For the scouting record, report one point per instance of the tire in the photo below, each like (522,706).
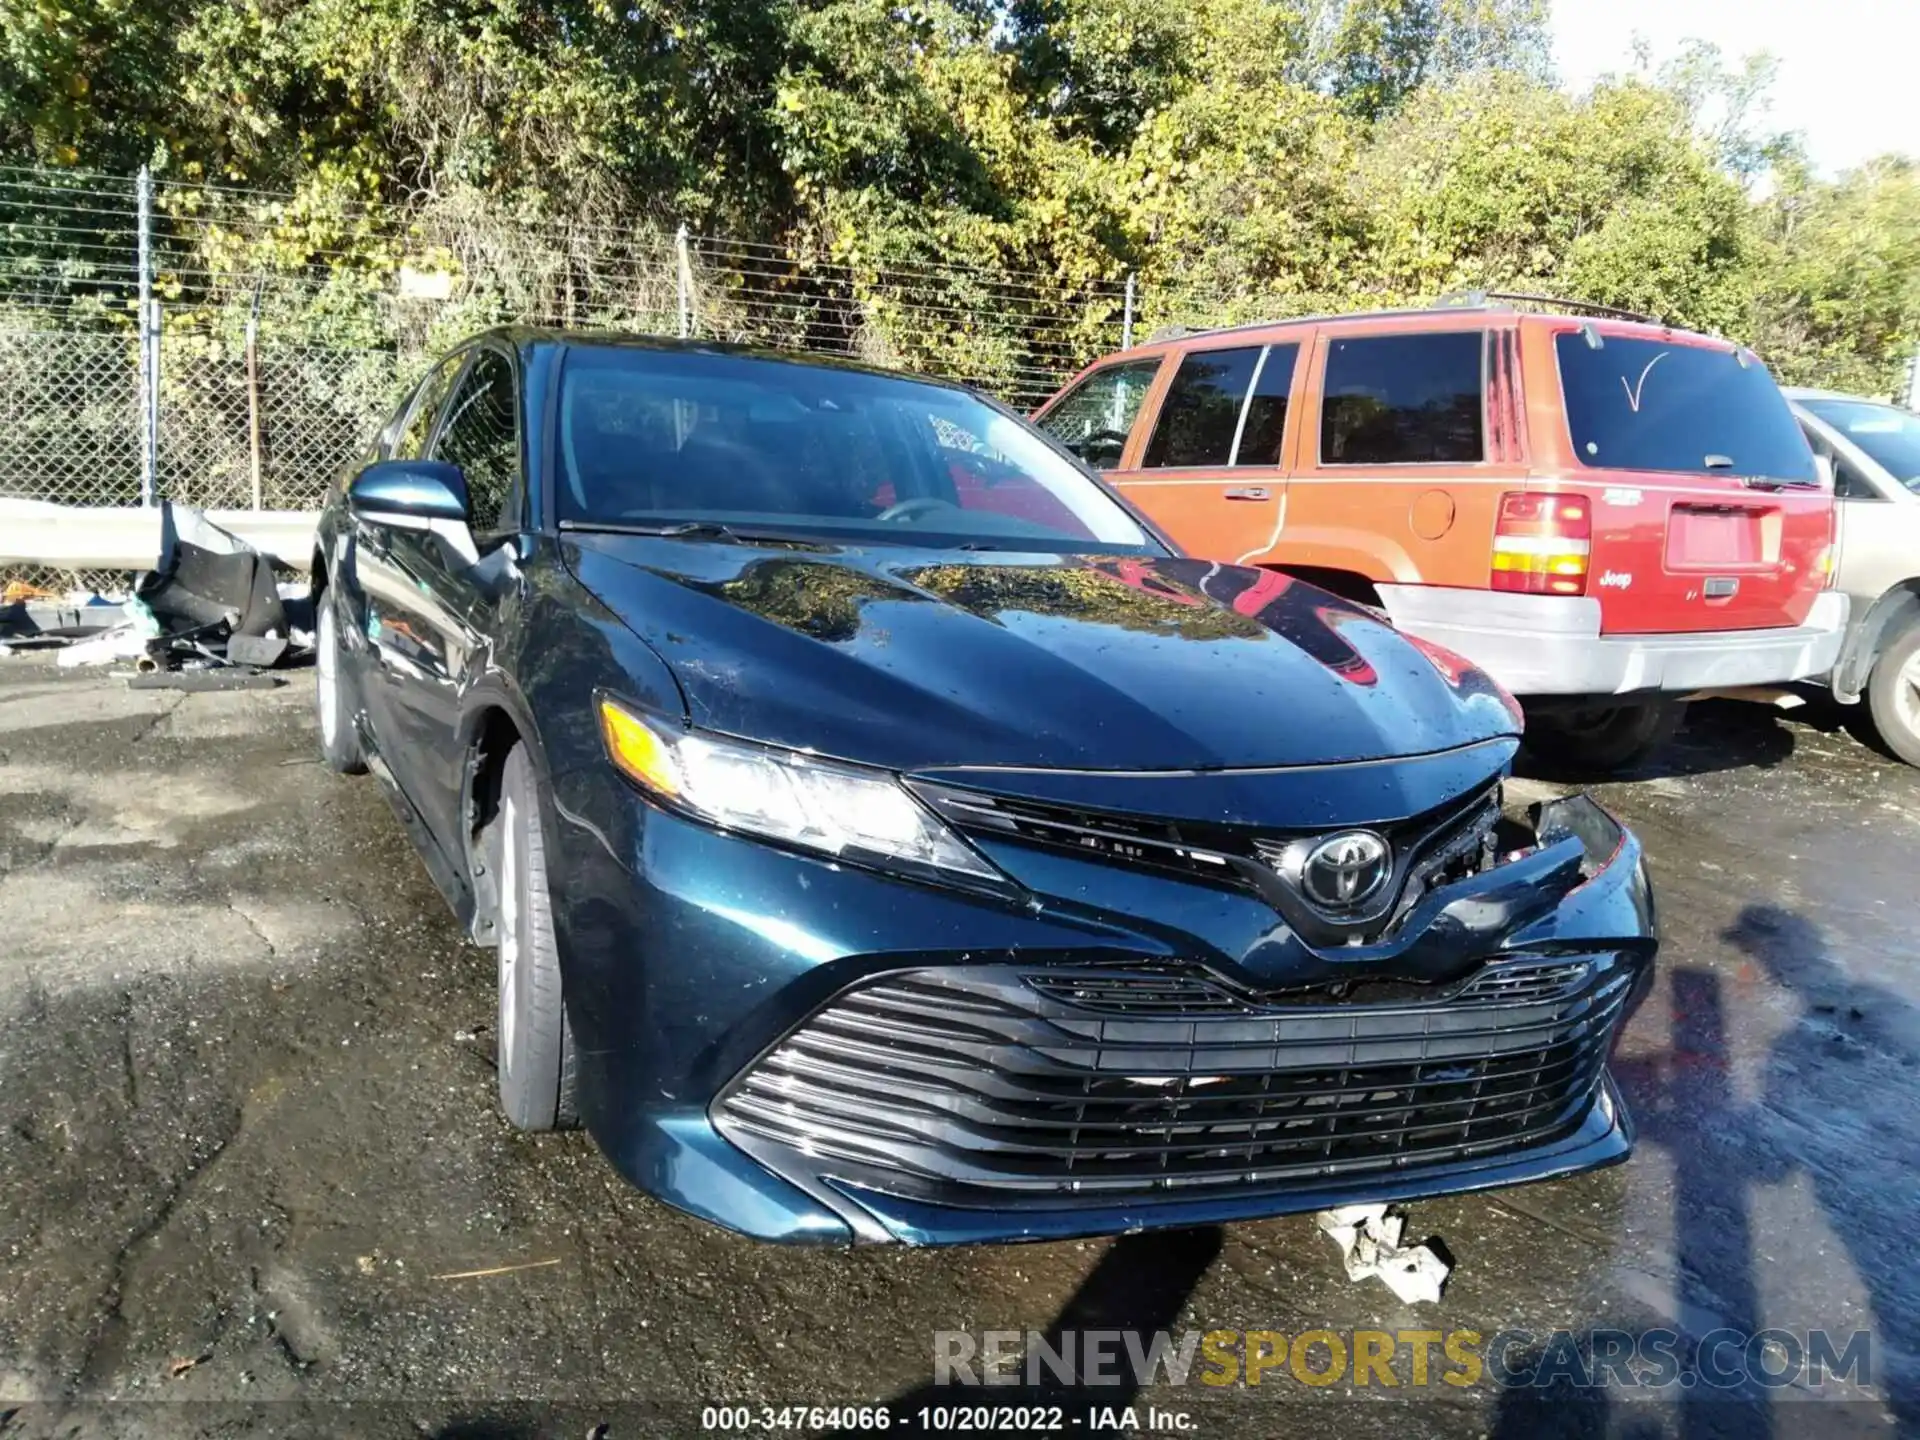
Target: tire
(1893,695)
(535,1052)
(333,702)
(1603,740)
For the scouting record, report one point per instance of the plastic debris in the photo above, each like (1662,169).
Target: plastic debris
(124,642)
(205,679)
(1369,1241)
(211,601)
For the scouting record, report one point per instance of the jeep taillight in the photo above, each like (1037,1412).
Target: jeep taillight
(1541,543)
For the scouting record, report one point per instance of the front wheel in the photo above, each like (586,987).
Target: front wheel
(339,744)
(536,1057)
(1603,739)
(1893,695)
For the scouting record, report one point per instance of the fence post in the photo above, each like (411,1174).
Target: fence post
(149,352)
(1126,317)
(685,266)
(253,394)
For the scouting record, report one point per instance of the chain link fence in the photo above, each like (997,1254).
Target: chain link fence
(234,349)
(70,417)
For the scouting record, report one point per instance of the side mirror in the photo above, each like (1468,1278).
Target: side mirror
(409,489)
(1823,468)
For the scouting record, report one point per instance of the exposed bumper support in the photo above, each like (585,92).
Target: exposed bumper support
(1552,645)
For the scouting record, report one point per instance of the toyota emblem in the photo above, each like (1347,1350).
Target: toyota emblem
(1345,871)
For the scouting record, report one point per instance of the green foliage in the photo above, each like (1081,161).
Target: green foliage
(1241,157)
(1838,294)
(1379,52)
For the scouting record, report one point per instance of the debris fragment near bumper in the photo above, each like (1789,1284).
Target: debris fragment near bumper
(198,681)
(1369,1241)
(127,641)
(211,602)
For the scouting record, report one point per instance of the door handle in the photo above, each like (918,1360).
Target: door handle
(1248,492)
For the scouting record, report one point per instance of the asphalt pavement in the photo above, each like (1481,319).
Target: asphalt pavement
(253,1179)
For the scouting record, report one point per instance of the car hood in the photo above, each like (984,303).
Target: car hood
(915,659)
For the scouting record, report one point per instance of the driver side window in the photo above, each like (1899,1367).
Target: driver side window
(410,441)
(1095,417)
(1848,482)
(482,437)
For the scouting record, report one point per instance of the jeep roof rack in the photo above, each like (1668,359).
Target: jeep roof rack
(1453,300)
(1477,300)
(1191,332)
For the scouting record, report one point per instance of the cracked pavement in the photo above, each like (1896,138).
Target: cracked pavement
(250,1158)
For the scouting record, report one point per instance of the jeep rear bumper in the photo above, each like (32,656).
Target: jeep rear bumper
(1552,645)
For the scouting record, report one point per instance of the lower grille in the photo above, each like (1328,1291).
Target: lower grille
(997,1081)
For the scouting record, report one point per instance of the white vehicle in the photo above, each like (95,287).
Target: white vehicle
(1875,451)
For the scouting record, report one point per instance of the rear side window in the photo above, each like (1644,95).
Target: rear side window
(1403,400)
(1224,407)
(1695,409)
(1095,417)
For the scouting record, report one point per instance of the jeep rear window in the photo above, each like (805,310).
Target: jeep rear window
(1403,400)
(1693,409)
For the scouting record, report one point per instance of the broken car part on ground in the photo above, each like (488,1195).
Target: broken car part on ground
(210,602)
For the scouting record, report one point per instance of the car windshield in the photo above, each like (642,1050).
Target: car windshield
(670,438)
(1653,405)
(1890,436)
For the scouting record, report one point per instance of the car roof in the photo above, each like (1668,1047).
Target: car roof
(1804,392)
(534,337)
(1430,317)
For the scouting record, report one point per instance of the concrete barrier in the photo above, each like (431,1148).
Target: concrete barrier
(33,532)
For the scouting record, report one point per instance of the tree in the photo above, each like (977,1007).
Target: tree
(1838,299)
(1373,54)
(1014,159)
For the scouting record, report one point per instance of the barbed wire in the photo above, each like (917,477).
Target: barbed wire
(339,306)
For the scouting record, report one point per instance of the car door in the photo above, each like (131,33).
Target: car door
(379,591)
(443,615)
(1210,471)
(1876,525)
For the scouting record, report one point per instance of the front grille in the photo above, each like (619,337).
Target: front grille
(1197,851)
(1447,844)
(983,1084)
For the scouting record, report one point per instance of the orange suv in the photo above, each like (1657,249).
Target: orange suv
(1607,514)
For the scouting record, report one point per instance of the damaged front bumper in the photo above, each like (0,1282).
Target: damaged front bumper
(857,1058)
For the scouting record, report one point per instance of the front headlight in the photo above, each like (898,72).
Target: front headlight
(822,805)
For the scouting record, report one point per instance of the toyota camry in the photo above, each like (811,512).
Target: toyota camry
(885,834)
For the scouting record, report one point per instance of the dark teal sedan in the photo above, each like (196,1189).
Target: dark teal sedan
(886,835)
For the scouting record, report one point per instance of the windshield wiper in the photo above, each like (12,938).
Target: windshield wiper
(673,529)
(1756,482)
